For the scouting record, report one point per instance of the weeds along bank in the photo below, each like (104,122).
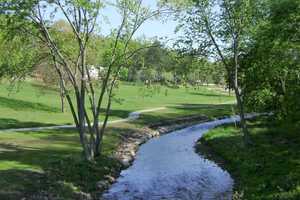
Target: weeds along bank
(267,170)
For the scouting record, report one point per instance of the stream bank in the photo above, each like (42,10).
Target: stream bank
(169,168)
(127,149)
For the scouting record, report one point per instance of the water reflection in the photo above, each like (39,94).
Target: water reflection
(168,168)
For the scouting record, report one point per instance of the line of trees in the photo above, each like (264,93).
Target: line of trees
(155,62)
(272,62)
(57,42)
(70,54)
(257,42)
(250,45)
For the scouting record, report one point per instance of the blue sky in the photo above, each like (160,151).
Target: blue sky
(155,28)
(151,28)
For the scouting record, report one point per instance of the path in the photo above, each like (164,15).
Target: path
(132,116)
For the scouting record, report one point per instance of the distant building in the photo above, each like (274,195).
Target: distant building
(95,71)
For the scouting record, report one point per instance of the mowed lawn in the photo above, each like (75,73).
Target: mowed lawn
(31,105)
(49,163)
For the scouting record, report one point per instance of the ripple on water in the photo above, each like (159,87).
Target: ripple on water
(168,168)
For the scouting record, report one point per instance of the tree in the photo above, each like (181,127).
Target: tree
(219,29)
(18,54)
(272,63)
(82,16)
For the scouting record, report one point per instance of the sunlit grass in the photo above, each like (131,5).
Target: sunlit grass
(52,161)
(31,106)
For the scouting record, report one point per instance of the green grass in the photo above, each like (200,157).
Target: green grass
(32,105)
(268,170)
(49,162)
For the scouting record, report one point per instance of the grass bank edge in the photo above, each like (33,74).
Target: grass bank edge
(51,162)
(270,169)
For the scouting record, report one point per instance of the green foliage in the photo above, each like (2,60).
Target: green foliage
(265,36)
(272,65)
(266,171)
(18,56)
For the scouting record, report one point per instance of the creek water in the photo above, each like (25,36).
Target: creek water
(168,167)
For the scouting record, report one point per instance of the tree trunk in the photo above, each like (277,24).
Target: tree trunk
(238,92)
(62,97)
(243,121)
(84,140)
(98,137)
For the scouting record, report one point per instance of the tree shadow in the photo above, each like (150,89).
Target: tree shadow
(6,123)
(16,104)
(188,110)
(116,113)
(53,166)
(201,106)
(209,94)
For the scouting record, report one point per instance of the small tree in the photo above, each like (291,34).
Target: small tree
(83,16)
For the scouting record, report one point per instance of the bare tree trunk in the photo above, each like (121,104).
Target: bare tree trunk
(238,93)
(81,127)
(98,139)
(62,100)
(83,20)
(98,146)
(243,121)
(62,96)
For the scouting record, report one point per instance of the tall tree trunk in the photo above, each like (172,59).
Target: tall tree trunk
(238,91)
(98,137)
(62,96)
(62,100)
(81,129)
(241,110)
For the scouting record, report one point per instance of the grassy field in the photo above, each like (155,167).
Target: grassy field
(49,163)
(268,170)
(31,105)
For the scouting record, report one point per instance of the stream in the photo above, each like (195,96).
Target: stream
(168,167)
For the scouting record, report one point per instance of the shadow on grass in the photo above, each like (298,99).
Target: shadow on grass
(209,94)
(16,104)
(179,110)
(117,113)
(6,123)
(61,172)
(270,169)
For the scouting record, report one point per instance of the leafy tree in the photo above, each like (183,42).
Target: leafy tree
(272,64)
(18,54)
(82,16)
(220,29)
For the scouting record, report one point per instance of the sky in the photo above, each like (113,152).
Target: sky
(150,29)
(155,28)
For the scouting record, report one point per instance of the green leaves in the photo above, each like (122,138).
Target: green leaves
(273,61)
(17,57)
